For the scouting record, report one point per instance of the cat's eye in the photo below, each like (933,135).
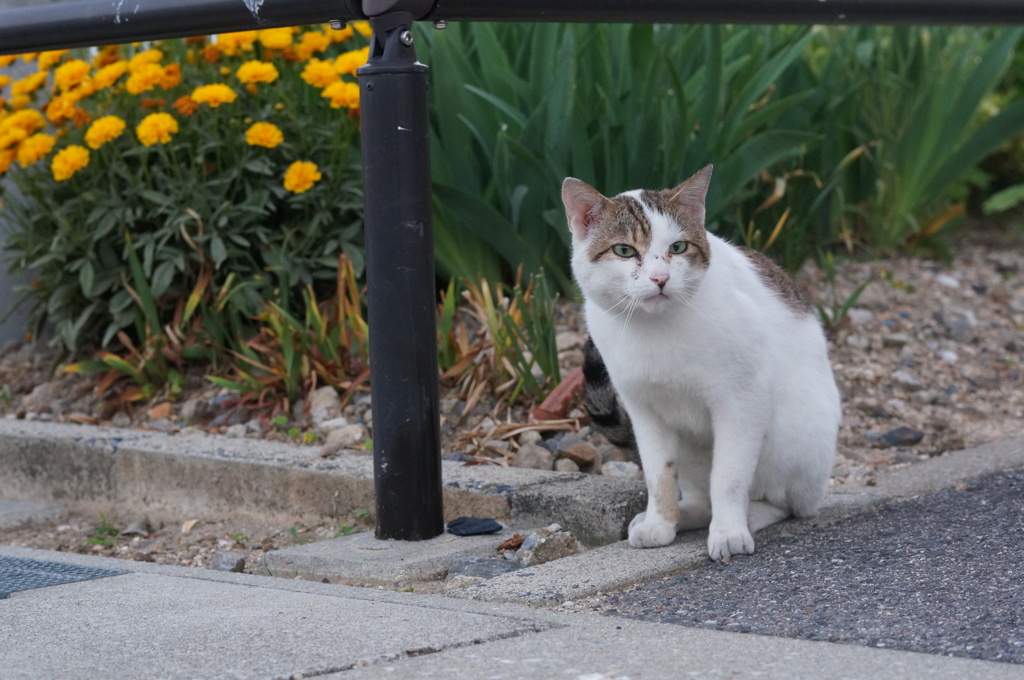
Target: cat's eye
(679,247)
(622,250)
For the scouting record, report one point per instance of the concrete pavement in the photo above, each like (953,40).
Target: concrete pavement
(160,621)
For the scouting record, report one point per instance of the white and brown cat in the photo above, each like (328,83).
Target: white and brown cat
(717,358)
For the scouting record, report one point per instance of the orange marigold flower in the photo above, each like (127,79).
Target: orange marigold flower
(172,76)
(68,161)
(106,56)
(60,109)
(149,103)
(275,38)
(28,120)
(196,40)
(185,105)
(144,78)
(342,95)
(28,84)
(49,58)
(350,61)
(255,71)
(143,58)
(156,128)
(80,117)
(211,53)
(109,74)
(34,148)
(301,176)
(233,43)
(214,95)
(104,130)
(319,73)
(71,73)
(263,134)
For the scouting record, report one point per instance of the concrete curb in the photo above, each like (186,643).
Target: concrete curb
(90,469)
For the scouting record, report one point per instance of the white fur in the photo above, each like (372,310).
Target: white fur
(725,384)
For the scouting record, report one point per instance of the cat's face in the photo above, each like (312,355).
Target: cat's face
(641,250)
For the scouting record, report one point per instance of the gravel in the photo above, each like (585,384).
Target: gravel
(941,574)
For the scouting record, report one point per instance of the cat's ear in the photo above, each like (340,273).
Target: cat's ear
(690,194)
(583,203)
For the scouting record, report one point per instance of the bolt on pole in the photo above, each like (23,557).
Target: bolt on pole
(400,284)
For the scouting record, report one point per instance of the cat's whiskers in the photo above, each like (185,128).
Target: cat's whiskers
(634,302)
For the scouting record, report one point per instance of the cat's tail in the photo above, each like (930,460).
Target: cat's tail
(607,414)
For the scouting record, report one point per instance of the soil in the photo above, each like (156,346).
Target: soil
(928,360)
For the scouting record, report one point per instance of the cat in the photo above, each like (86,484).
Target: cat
(707,359)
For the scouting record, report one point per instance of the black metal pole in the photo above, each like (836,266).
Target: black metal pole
(400,283)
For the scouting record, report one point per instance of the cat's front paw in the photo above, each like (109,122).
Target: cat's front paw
(726,541)
(650,533)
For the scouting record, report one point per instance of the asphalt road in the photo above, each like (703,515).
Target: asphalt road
(942,574)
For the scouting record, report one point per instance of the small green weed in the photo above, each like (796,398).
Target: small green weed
(106,534)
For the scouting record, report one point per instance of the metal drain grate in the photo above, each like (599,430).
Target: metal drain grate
(18,573)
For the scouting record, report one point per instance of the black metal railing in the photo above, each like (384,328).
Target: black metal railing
(396,162)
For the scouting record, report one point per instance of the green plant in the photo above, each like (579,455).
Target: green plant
(105,534)
(296,537)
(620,106)
(838,306)
(174,158)
(239,538)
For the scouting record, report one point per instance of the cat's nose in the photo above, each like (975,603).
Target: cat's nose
(660,278)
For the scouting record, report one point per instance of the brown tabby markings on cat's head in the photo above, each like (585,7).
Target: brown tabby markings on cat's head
(622,221)
(668,203)
(779,281)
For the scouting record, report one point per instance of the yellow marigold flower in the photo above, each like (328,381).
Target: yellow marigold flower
(156,128)
(263,134)
(49,58)
(71,73)
(364,28)
(143,58)
(350,61)
(109,74)
(338,35)
(276,38)
(10,137)
(7,59)
(185,105)
(6,158)
(319,73)
(34,148)
(28,120)
(256,72)
(214,95)
(28,84)
(104,130)
(5,80)
(233,43)
(310,43)
(144,78)
(342,95)
(19,101)
(29,56)
(301,176)
(68,161)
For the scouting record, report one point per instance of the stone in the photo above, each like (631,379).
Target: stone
(566,465)
(533,457)
(162,425)
(906,380)
(228,561)
(457,581)
(583,454)
(550,543)
(481,567)
(961,329)
(236,431)
(895,339)
(160,411)
(194,409)
(531,437)
(121,419)
(332,424)
(858,341)
(324,404)
(948,355)
(347,437)
(860,317)
(620,468)
(901,436)
(567,340)
(947,281)
(41,398)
